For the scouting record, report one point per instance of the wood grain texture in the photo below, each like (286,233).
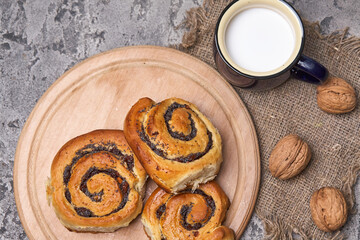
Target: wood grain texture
(96,94)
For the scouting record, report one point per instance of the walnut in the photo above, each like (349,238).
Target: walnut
(328,209)
(289,157)
(336,96)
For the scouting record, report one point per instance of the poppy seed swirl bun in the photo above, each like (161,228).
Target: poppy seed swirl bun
(187,215)
(97,183)
(176,144)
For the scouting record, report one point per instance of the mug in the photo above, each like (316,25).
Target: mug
(258,44)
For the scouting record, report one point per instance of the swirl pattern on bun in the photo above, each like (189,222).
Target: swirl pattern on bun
(187,215)
(97,183)
(177,145)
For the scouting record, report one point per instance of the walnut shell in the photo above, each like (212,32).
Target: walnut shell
(289,157)
(336,96)
(328,209)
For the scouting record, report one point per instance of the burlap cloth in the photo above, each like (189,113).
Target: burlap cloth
(292,108)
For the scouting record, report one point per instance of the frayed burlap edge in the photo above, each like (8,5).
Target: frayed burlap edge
(348,187)
(338,40)
(276,228)
(197,22)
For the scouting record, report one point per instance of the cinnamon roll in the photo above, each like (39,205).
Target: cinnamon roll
(97,183)
(187,215)
(177,145)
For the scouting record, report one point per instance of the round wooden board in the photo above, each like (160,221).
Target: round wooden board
(97,94)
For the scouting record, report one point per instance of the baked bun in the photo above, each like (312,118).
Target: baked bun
(97,183)
(177,145)
(187,215)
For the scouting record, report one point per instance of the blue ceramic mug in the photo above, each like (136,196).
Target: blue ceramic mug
(259,44)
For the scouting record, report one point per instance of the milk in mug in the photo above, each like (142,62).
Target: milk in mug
(259,39)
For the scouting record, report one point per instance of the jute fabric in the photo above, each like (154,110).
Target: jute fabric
(292,108)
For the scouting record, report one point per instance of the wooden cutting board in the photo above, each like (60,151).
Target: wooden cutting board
(97,94)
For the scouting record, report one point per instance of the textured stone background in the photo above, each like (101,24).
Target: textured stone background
(41,39)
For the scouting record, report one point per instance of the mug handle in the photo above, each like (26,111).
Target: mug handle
(309,70)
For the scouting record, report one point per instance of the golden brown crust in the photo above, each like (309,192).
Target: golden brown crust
(97,183)
(177,145)
(187,215)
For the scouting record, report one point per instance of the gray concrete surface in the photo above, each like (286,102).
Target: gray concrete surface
(41,39)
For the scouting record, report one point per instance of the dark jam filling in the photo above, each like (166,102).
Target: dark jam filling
(179,135)
(189,158)
(95,148)
(186,209)
(95,197)
(122,185)
(160,211)
(91,149)
(84,212)
(68,195)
